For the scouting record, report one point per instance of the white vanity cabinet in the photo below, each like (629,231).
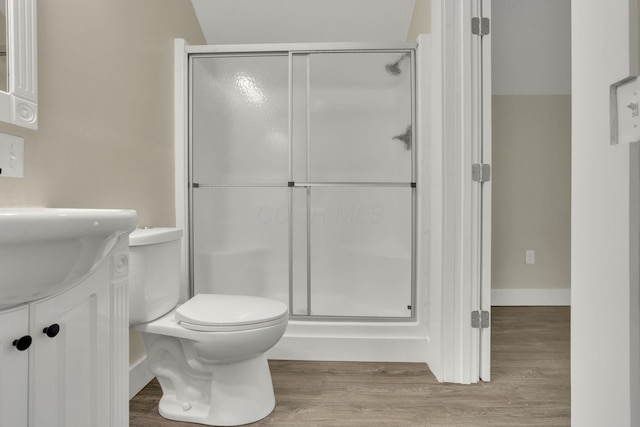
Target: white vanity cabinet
(75,373)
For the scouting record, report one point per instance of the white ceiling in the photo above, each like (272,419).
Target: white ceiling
(293,21)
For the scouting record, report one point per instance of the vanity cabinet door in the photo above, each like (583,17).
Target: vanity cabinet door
(70,369)
(14,367)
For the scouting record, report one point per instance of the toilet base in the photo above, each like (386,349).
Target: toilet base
(240,393)
(213,378)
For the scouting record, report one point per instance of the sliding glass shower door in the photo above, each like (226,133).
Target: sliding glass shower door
(239,171)
(302,176)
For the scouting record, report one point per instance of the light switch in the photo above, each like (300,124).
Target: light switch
(625,114)
(11,156)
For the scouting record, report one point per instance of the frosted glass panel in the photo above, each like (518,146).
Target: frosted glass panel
(361,251)
(240,119)
(241,241)
(359,117)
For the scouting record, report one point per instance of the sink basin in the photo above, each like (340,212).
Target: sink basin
(44,251)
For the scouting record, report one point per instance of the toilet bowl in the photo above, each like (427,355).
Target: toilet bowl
(208,354)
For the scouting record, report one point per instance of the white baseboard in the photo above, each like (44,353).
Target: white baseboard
(139,376)
(529,297)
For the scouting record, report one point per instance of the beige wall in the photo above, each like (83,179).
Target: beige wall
(531,191)
(105,137)
(421,19)
(531,124)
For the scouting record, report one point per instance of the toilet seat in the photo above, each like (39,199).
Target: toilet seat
(220,313)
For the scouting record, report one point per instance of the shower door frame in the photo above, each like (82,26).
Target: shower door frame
(290,50)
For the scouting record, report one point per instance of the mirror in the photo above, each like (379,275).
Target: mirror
(19,95)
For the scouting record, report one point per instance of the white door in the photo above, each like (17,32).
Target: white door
(481,136)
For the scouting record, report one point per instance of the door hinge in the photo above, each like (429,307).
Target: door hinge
(480,319)
(481,172)
(480,26)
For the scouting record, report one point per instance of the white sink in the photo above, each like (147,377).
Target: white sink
(44,251)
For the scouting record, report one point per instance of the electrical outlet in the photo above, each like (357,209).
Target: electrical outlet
(529,257)
(11,156)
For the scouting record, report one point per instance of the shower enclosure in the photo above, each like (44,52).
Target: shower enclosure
(340,179)
(303,181)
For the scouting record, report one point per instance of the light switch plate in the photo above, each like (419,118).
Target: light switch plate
(11,156)
(625,111)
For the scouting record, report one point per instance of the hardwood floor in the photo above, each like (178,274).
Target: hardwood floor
(530,385)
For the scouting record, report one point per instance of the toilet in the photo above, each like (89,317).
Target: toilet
(208,354)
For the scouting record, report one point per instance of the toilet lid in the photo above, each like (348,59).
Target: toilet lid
(228,310)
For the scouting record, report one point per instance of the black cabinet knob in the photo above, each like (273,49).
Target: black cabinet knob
(22,343)
(52,330)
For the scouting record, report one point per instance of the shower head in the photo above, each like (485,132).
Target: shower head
(394,67)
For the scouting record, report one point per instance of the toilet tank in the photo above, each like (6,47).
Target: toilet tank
(154,272)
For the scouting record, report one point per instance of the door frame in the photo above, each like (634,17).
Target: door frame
(460,222)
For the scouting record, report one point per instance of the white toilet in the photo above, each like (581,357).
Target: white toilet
(208,353)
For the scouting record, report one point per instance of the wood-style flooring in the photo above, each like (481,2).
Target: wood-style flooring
(530,385)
